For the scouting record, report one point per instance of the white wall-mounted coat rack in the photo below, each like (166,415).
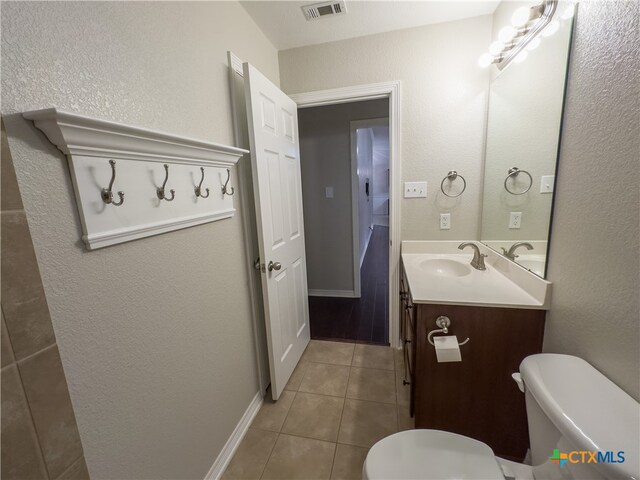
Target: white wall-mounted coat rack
(132,182)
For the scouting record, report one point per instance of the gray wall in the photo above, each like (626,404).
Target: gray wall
(594,262)
(155,335)
(325,154)
(443,107)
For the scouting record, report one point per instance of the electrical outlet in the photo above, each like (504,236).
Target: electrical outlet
(415,189)
(445,221)
(328,192)
(515,219)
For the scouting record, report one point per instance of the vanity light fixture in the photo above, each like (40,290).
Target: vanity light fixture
(515,40)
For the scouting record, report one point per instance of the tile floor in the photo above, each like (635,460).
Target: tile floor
(341,399)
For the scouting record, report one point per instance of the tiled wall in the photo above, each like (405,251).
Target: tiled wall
(39,434)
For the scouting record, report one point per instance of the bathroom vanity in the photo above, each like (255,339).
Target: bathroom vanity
(501,310)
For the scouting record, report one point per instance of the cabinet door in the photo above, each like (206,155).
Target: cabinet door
(477,397)
(410,350)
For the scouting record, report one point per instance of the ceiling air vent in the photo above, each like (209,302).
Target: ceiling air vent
(324,9)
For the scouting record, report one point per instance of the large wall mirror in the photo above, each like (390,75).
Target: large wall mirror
(523,132)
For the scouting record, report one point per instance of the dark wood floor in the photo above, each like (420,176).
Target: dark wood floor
(364,319)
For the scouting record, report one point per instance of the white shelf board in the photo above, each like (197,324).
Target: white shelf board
(139,153)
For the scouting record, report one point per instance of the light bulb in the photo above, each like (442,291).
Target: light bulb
(551,29)
(533,44)
(569,12)
(496,48)
(507,33)
(520,17)
(521,57)
(485,60)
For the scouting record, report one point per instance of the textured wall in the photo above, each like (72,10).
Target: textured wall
(443,108)
(40,437)
(155,335)
(594,263)
(325,153)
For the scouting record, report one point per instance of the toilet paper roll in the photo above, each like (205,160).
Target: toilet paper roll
(447,349)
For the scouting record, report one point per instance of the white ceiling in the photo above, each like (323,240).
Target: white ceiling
(286,26)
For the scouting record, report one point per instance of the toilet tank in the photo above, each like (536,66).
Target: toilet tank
(581,425)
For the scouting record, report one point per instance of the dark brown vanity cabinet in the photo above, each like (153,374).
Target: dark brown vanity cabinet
(476,397)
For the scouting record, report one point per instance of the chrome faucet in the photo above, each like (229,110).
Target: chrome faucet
(511,253)
(478,258)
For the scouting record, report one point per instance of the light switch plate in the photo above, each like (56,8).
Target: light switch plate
(515,219)
(328,192)
(415,189)
(546,183)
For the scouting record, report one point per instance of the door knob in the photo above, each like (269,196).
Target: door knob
(274,266)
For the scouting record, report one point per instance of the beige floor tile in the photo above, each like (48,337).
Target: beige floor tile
(336,353)
(296,377)
(272,414)
(325,379)
(405,421)
(403,392)
(398,359)
(364,423)
(251,456)
(373,385)
(373,356)
(300,458)
(314,416)
(348,462)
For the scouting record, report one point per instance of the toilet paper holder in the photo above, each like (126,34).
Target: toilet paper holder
(444,323)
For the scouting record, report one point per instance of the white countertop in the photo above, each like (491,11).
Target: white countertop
(503,284)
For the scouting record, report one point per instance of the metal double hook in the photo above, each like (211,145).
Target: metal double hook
(225,189)
(160,191)
(198,189)
(107,193)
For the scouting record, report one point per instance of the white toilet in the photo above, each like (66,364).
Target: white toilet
(570,407)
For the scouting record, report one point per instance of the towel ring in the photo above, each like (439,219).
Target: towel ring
(514,172)
(451,176)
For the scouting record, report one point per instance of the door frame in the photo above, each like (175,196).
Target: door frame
(358,93)
(355,201)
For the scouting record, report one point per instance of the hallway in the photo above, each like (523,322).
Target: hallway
(364,319)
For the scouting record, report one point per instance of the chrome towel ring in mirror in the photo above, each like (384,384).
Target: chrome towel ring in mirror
(107,193)
(451,176)
(513,173)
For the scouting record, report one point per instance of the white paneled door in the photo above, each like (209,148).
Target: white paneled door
(275,162)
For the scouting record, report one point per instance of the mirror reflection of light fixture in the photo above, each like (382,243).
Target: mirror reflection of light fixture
(522,35)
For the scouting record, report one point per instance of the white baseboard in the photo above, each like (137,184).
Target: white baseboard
(332,293)
(225,456)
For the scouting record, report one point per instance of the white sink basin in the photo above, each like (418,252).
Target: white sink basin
(437,272)
(445,267)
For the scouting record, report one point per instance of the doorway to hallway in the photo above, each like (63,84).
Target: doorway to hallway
(344,152)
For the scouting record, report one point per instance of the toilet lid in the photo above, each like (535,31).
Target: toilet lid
(431,454)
